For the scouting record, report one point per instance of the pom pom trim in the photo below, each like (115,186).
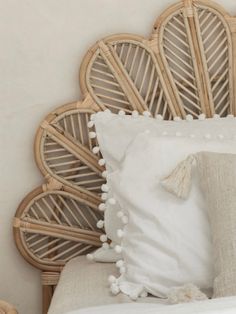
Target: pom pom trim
(92,135)
(102,207)
(96,150)
(101,162)
(90,124)
(103,238)
(121,113)
(100,224)
(90,257)
(135,113)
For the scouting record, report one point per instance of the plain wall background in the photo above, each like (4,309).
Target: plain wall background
(42,45)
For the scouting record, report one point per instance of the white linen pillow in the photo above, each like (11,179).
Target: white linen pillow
(167,241)
(116,132)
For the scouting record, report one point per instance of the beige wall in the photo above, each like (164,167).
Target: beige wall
(42,45)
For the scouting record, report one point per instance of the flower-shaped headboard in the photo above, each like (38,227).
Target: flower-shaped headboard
(187,66)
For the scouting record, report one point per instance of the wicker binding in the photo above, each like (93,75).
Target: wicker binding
(187,66)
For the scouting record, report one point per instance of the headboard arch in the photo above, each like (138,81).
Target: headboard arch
(187,66)
(122,72)
(53,226)
(63,150)
(196,48)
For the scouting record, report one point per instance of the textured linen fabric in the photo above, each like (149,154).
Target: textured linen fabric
(116,132)
(218,182)
(84,284)
(167,241)
(216,306)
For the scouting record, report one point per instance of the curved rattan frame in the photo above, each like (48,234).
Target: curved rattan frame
(187,66)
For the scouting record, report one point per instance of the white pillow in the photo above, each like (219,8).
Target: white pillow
(167,241)
(116,132)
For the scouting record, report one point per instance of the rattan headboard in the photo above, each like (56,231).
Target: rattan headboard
(187,66)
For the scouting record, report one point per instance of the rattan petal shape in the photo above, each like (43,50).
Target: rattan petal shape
(195,43)
(63,151)
(122,72)
(55,226)
(187,66)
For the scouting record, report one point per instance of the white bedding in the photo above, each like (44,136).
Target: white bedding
(215,306)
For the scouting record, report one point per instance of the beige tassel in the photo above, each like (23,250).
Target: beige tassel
(179,181)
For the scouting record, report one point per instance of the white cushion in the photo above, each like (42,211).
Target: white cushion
(167,241)
(116,132)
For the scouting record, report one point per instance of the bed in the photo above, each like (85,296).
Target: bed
(173,73)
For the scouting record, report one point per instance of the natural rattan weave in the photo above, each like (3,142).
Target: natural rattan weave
(187,66)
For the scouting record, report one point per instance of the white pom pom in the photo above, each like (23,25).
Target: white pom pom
(102,207)
(164,133)
(121,113)
(92,117)
(133,296)
(216,116)
(90,257)
(112,201)
(207,136)
(146,113)
(90,124)
(135,113)
(115,289)
(120,233)
(100,224)
(103,238)
(107,110)
(202,116)
(105,188)
(144,294)
(104,196)
(230,116)
(92,134)
(221,136)
(178,134)
(120,263)
(120,214)
(189,117)
(111,279)
(104,174)
(177,119)
(118,249)
(122,270)
(96,149)
(159,117)
(105,245)
(125,220)
(101,162)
